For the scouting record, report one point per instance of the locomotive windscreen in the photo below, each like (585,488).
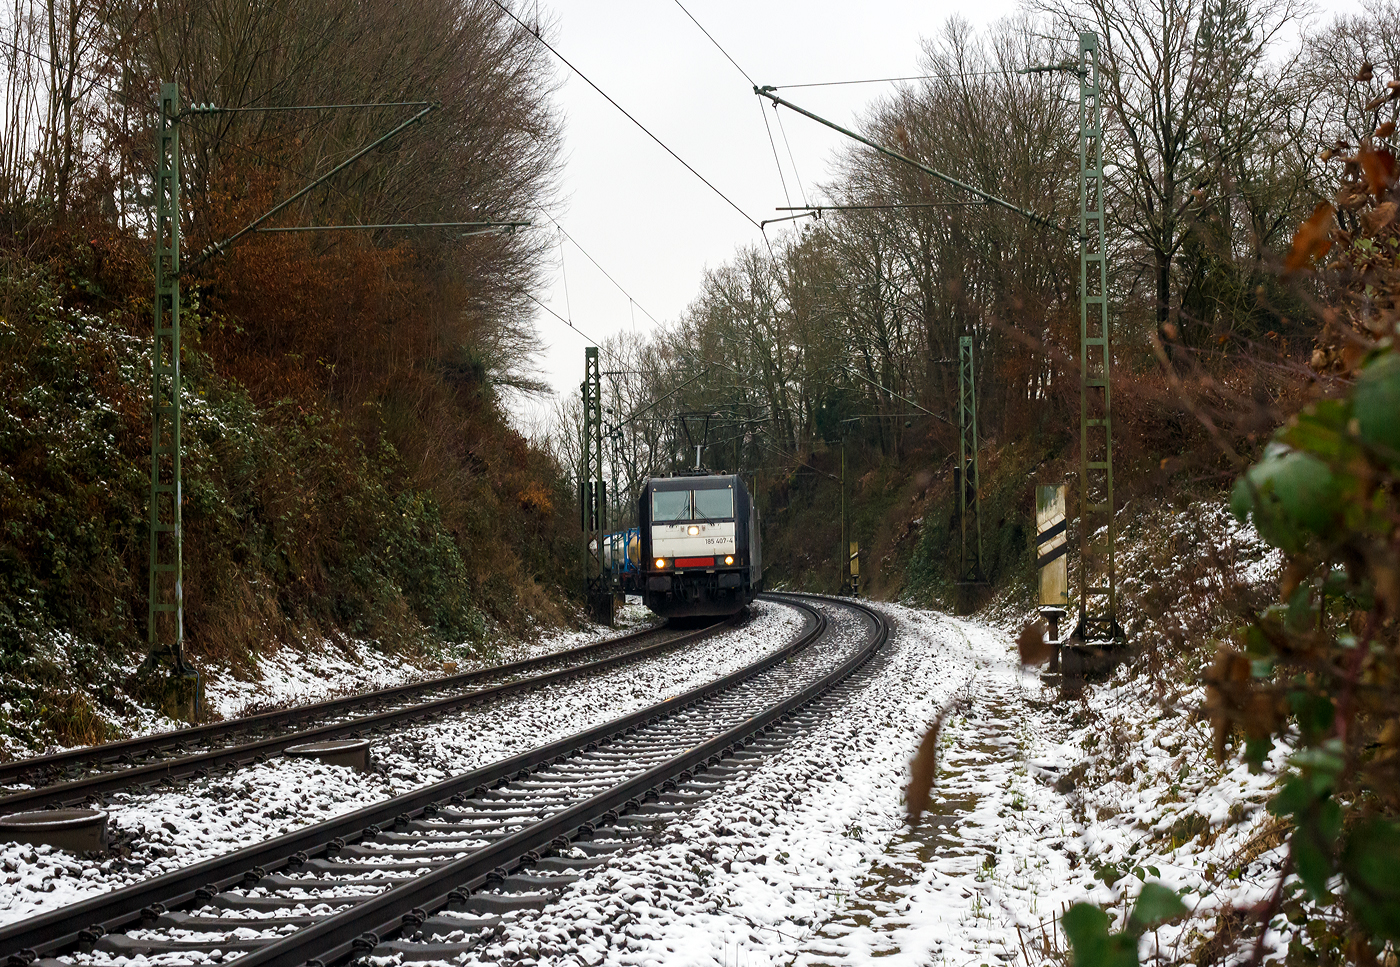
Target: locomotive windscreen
(714,504)
(675,505)
(670,505)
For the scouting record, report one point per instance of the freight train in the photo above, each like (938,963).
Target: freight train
(697,549)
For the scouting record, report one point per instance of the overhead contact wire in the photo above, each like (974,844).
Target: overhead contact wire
(773,144)
(647,131)
(566,322)
(715,42)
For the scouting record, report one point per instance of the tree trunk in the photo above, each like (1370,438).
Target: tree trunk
(1164,290)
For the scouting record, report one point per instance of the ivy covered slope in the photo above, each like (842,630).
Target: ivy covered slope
(419,524)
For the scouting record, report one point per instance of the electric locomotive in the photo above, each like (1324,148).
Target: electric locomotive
(700,543)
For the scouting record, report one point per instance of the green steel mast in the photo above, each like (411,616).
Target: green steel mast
(1098,595)
(593,492)
(165,616)
(969,478)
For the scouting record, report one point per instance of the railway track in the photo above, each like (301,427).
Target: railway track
(84,775)
(428,874)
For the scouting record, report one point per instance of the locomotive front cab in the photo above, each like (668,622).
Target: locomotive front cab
(697,542)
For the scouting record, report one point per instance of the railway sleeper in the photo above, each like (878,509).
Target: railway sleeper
(686,797)
(410,952)
(428,833)
(492,807)
(607,846)
(341,869)
(444,925)
(501,903)
(568,863)
(525,881)
(503,804)
(650,813)
(191,921)
(274,903)
(437,854)
(125,945)
(283,883)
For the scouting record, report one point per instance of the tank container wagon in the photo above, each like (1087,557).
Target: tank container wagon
(622,556)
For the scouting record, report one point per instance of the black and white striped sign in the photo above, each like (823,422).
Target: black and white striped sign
(1051,545)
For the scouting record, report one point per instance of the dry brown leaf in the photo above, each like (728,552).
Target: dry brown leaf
(1379,217)
(1353,197)
(1293,574)
(1386,580)
(1227,691)
(1032,644)
(1385,130)
(1366,73)
(1390,734)
(923,769)
(1312,240)
(1377,101)
(1378,165)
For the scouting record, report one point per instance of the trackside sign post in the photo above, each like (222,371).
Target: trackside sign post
(1051,547)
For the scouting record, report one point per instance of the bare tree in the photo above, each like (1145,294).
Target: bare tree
(1186,83)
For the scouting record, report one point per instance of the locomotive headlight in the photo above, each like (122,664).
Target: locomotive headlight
(692,530)
(660,562)
(729,559)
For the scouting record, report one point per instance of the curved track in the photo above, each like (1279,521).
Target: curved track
(389,878)
(166,757)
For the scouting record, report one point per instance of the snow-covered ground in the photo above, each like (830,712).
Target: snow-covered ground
(1041,803)
(806,859)
(286,677)
(163,831)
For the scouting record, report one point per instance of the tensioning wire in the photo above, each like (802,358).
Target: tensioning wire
(893,80)
(795,173)
(800,187)
(645,130)
(571,325)
(599,267)
(781,177)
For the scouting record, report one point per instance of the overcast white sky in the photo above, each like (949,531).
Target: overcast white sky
(650,223)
